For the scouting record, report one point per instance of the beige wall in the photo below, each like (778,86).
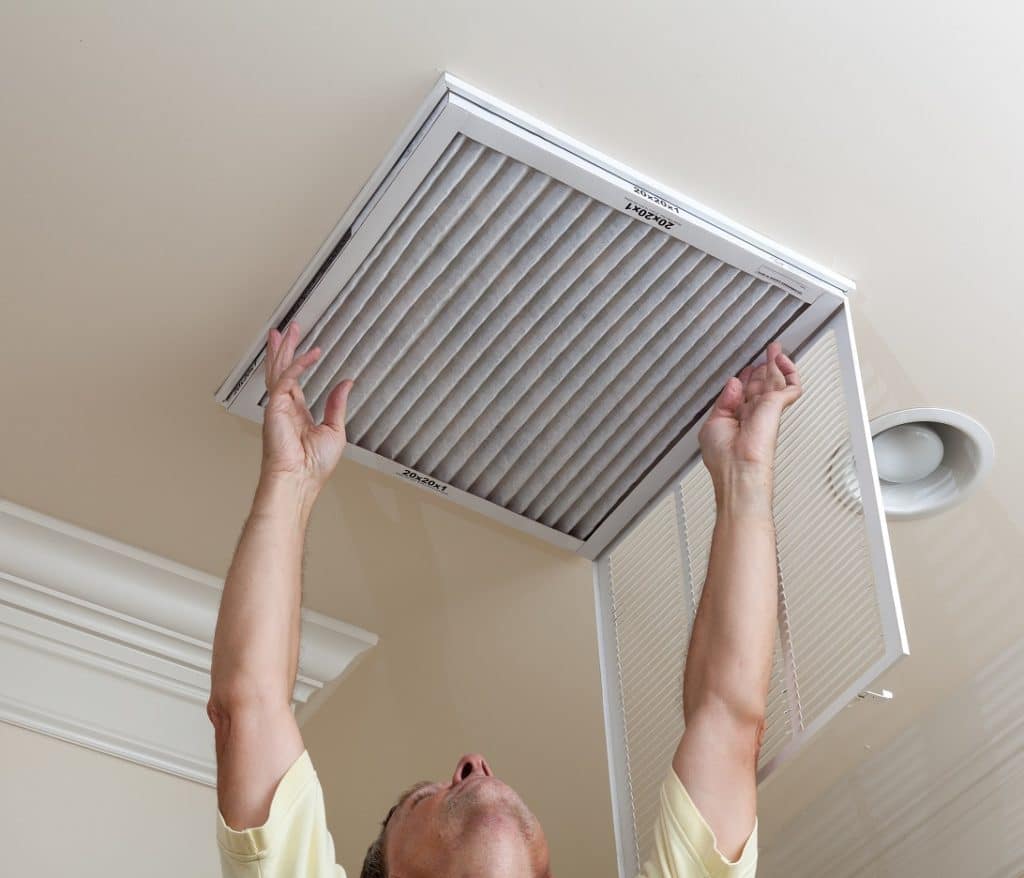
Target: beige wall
(66,810)
(487,635)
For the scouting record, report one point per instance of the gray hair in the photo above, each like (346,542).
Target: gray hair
(374,863)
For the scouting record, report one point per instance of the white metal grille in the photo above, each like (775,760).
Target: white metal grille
(652,623)
(830,629)
(530,345)
(834,619)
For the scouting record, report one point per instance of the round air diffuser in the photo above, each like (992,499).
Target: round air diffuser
(928,459)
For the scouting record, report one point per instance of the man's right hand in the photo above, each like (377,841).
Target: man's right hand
(729,659)
(738,439)
(294,445)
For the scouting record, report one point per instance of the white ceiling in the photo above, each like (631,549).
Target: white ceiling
(168,169)
(946,797)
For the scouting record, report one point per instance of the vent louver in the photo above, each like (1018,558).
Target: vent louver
(536,333)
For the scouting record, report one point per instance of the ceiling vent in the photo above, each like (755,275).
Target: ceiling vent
(536,332)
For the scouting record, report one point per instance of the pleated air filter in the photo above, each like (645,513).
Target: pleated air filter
(536,332)
(524,343)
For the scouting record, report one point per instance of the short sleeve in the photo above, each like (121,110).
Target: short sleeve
(686,847)
(293,843)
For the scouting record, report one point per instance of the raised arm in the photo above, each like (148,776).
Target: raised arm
(256,644)
(728,668)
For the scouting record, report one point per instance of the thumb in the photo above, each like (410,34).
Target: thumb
(334,409)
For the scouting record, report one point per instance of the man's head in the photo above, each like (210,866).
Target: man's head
(472,824)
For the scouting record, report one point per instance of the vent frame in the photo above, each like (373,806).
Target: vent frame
(455,108)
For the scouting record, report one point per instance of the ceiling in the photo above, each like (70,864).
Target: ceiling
(168,169)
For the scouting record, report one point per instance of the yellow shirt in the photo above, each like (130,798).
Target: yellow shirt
(295,843)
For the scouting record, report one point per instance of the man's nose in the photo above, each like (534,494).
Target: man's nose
(470,764)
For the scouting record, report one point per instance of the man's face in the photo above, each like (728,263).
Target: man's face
(472,824)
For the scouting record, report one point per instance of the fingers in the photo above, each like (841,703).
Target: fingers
(273,345)
(337,401)
(793,389)
(756,385)
(287,382)
(298,366)
(729,399)
(774,379)
(789,371)
(291,339)
(790,390)
(281,351)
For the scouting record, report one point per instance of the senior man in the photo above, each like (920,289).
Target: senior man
(271,821)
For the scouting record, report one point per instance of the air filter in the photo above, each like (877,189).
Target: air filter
(536,332)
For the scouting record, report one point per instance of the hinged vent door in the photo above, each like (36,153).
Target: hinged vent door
(839,619)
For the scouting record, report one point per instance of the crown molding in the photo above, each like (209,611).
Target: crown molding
(108,646)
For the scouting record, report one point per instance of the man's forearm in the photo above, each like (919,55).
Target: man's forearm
(729,660)
(728,667)
(256,645)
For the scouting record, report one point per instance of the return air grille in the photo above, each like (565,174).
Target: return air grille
(650,605)
(516,339)
(830,625)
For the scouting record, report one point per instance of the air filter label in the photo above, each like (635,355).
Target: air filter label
(646,213)
(789,283)
(423,480)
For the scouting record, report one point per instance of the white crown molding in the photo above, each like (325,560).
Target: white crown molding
(108,646)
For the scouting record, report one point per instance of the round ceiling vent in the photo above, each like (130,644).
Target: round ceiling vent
(928,459)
